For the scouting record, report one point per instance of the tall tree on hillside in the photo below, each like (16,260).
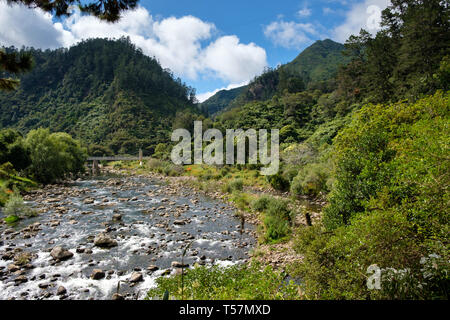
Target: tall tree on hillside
(14,63)
(404,59)
(425,40)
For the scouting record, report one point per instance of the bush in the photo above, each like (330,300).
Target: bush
(388,207)
(232,186)
(276,228)
(16,209)
(278,182)
(238,282)
(277,217)
(311,180)
(261,203)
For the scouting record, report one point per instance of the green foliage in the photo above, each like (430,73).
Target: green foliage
(54,155)
(261,203)
(108,10)
(235,185)
(165,167)
(278,182)
(311,180)
(277,218)
(12,149)
(16,209)
(394,153)
(335,265)
(401,61)
(238,282)
(388,206)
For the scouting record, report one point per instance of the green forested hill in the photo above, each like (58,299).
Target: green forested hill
(313,67)
(221,100)
(102,91)
(319,62)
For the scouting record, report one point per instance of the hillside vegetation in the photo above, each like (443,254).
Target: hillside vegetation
(103,92)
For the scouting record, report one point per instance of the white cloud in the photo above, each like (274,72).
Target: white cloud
(20,26)
(233,60)
(366,15)
(186,45)
(290,34)
(205,96)
(305,12)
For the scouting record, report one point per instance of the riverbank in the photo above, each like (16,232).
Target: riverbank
(279,254)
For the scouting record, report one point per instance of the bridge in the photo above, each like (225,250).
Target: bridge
(95,160)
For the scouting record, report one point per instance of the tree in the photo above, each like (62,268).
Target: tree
(108,10)
(54,155)
(13,150)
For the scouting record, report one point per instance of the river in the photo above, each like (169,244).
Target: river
(151,222)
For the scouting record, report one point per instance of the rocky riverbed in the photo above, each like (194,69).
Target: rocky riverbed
(90,235)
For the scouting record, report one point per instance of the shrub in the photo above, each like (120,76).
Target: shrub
(311,180)
(261,203)
(276,228)
(278,182)
(16,209)
(232,186)
(277,217)
(238,282)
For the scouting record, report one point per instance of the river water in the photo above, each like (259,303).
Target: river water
(157,221)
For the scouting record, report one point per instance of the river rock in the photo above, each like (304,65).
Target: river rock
(176,264)
(97,274)
(136,277)
(104,241)
(61,291)
(59,253)
(117,217)
(117,296)
(152,268)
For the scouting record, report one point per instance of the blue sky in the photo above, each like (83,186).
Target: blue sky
(210,45)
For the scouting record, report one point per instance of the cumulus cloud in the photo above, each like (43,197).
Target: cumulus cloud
(178,43)
(20,26)
(365,15)
(290,34)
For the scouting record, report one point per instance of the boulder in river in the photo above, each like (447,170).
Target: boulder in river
(59,253)
(104,241)
(61,291)
(136,277)
(117,217)
(97,274)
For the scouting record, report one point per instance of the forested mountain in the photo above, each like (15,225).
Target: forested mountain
(221,100)
(318,62)
(313,67)
(105,92)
